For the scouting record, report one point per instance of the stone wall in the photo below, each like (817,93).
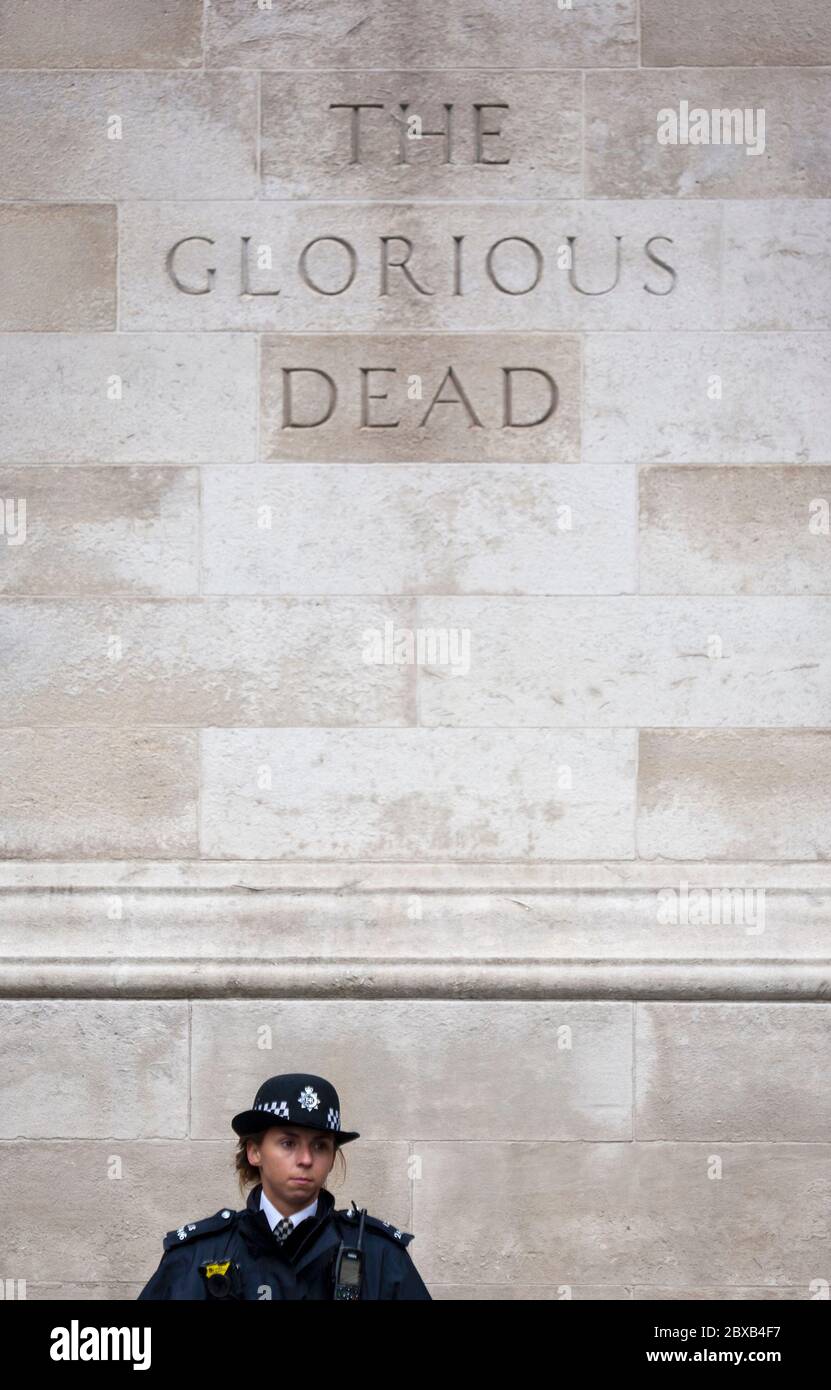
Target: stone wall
(415,466)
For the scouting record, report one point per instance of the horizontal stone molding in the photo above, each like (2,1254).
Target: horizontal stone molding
(362,979)
(606,930)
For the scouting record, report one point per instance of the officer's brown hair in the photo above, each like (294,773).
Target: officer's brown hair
(249,1174)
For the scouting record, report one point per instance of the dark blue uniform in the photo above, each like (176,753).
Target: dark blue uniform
(235,1253)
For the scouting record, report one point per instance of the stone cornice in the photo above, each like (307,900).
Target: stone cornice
(206,929)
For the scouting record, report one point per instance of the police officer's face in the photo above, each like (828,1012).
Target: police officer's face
(294,1164)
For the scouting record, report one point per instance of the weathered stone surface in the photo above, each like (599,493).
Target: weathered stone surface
(98,791)
(100,34)
(732,1071)
(746,32)
(734,794)
(417,793)
(57,266)
(628,662)
(653,398)
(429,528)
(624,159)
(505,1293)
(441,266)
(129,1060)
(734,530)
(217,662)
(565,1069)
(435,34)
(125,1214)
(625,1213)
(739,1292)
(482,135)
(420,398)
(179,134)
(86,1293)
(777,264)
(101,530)
(184,398)
(217,818)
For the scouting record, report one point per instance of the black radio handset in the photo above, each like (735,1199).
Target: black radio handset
(349,1263)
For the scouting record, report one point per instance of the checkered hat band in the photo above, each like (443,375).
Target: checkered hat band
(280,1109)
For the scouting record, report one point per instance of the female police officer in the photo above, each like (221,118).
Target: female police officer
(288,1242)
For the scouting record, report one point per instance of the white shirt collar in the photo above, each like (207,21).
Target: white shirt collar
(294,1217)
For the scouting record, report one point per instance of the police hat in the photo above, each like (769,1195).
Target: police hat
(297,1098)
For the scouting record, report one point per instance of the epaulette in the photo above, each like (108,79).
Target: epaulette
(222,1220)
(374,1223)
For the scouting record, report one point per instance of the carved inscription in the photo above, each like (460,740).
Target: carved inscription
(442,396)
(330,264)
(441,134)
(404,125)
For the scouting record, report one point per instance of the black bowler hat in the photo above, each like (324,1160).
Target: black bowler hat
(298,1098)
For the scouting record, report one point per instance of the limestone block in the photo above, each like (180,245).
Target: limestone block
(451,1069)
(99,136)
(625,159)
(399,529)
(523,1293)
(100,530)
(128,398)
(98,791)
(441,266)
(57,266)
(129,1062)
(101,34)
(777,264)
(624,1213)
(738,1292)
(421,134)
(735,530)
(734,794)
(626,662)
(440,794)
(746,32)
(732,1071)
(420,398)
(218,662)
(707,398)
(434,33)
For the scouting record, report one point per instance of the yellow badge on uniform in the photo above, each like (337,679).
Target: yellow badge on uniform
(222,1278)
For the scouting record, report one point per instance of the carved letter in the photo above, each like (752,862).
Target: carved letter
(245,287)
(571,241)
(367,396)
(479,133)
(450,376)
(657,261)
(457,265)
(404,141)
(288,421)
(304,269)
(355,136)
(508,419)
(387,264)
(537,258)
(172,273)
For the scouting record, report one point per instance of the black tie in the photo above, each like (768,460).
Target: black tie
(282,1230)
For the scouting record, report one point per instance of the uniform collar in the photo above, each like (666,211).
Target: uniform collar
(318,1234)
(274,1214)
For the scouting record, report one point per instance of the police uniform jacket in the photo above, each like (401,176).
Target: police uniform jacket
(301,1268)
